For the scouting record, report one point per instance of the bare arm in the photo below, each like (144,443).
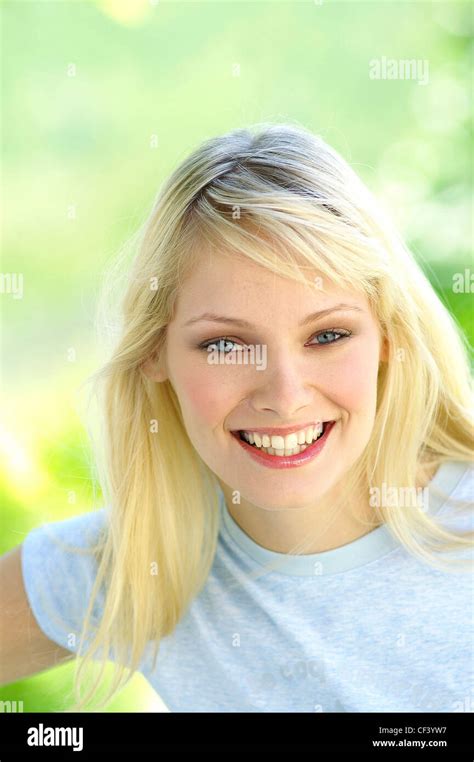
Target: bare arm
(24,648)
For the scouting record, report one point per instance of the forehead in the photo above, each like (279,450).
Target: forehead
(224,282)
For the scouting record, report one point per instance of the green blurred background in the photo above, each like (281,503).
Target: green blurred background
(101,100)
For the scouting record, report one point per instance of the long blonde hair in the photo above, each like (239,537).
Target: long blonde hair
(282,197)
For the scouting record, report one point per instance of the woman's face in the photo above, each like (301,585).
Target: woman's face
(324,370)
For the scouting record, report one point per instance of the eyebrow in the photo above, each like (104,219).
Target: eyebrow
(213,318)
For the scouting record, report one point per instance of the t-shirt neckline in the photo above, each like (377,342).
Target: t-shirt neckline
(371,546)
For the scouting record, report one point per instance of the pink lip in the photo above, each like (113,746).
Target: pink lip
(282,431)
(291,461)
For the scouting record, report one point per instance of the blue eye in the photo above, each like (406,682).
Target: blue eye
(227,345)
(324,335)
(221,341)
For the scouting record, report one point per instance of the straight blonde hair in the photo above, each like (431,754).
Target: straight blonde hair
(282,197)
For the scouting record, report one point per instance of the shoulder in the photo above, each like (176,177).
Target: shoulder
(465,487)
(81,531)
(452,492)
(456,479)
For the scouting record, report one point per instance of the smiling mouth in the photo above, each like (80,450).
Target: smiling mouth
(277,449)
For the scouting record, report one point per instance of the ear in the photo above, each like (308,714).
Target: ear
(154,369)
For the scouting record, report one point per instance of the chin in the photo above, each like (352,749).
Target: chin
(296,501)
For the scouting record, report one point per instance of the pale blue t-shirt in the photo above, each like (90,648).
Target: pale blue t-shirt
(365,627)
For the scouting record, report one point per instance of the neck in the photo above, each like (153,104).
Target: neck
(283,530)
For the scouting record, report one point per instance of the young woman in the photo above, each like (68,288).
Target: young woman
(288,470)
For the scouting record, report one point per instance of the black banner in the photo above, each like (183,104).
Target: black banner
(87,735)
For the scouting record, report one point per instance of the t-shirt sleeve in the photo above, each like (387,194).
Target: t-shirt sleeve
(58,580)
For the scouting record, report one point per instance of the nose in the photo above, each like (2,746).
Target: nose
(286,388)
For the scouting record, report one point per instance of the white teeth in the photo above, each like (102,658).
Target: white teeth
(291,440)
(292,444)
(278,443)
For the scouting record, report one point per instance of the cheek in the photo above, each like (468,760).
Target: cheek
(352,383)
(202,399)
